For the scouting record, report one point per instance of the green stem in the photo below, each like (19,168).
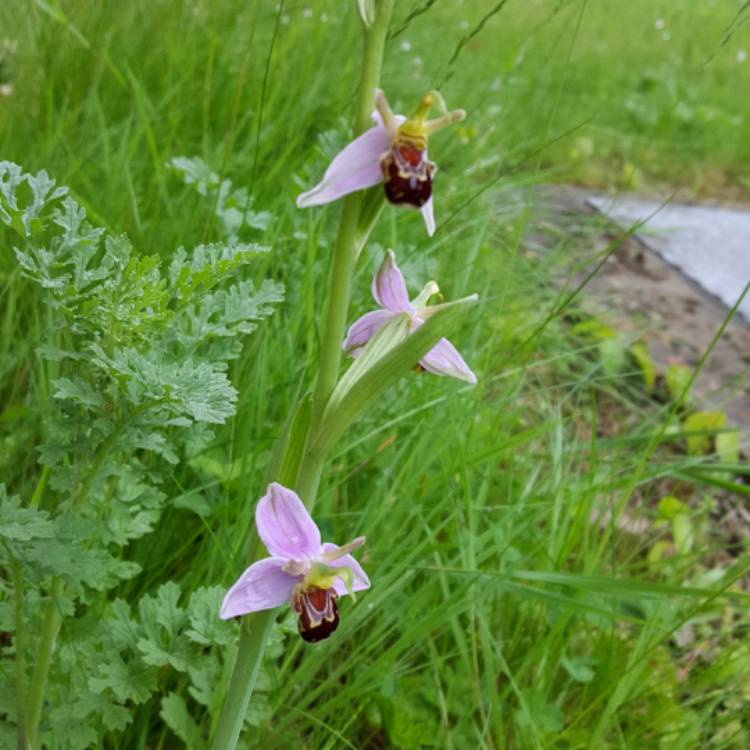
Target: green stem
(45,649)
(256,627)
(342,269)
(348,242)
(52,615)
(253,635)
(18,585)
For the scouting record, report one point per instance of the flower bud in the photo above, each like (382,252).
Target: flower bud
(366,10)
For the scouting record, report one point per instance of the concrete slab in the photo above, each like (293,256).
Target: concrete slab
(711,246)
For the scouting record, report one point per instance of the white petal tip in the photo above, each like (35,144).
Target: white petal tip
(305,200)
(428,215)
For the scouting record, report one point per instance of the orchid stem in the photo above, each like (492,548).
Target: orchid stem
(346,250)
(253,635)
(256,627)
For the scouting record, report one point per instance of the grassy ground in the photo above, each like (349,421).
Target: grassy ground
(516,602)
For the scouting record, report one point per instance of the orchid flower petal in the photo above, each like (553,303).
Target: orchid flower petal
(334,553)
(444,359)
(432,126)
(389,287)
(429,217)
(360,581)
(285,526)
(384,116)
(355,168)
(364,329)
(264,585)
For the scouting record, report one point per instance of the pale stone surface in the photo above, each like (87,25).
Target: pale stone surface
(644,297)
(709,245)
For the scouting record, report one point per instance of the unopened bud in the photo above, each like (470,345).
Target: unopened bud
(366,10)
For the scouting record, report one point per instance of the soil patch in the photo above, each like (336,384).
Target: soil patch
(638,290)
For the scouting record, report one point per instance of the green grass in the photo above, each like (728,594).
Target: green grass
(468,497)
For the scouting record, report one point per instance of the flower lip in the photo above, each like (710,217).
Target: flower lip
(407,175)
(318,613)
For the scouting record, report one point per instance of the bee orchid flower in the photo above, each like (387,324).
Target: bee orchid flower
(394,153)
(389,291)
(301,569)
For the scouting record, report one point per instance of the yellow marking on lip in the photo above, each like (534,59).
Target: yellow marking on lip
(414,136)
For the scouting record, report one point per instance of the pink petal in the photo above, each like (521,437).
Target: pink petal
(364,329)
(284,524)
(355,168)
(360,581)
(389,287)
(264,585)
(429,217)
(444,359)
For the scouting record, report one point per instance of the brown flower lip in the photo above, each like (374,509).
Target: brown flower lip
(318,613)
(407,174)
